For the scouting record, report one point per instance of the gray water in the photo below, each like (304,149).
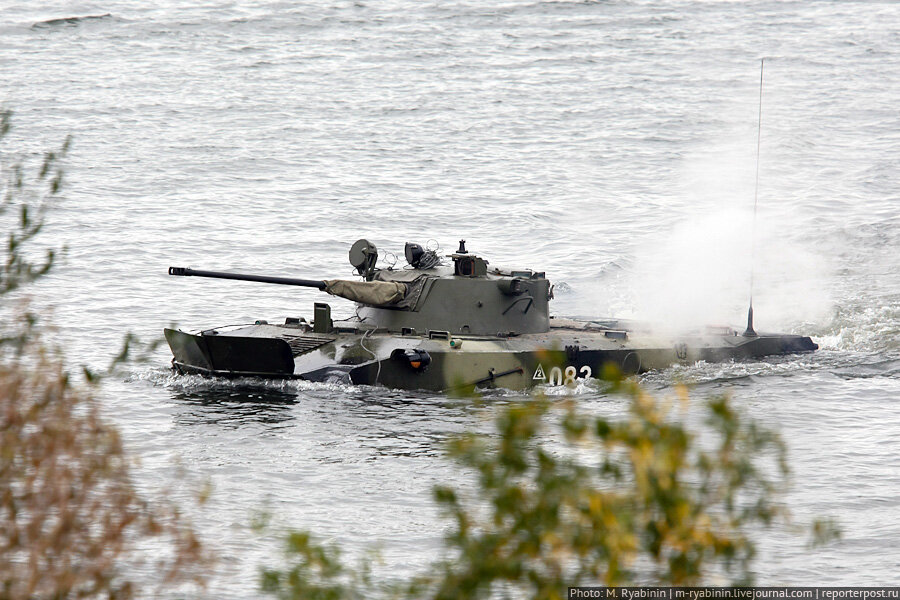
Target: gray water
(611,144)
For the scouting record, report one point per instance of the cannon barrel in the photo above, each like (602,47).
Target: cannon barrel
(186,272)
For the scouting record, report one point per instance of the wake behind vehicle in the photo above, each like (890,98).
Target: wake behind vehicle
(447,327)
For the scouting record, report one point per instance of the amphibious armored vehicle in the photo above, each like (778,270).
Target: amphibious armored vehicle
(447,325)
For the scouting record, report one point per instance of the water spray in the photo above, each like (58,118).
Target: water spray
(749,332)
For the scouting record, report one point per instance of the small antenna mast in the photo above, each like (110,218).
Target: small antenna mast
(749,332)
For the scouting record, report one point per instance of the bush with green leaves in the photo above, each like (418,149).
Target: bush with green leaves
(564,498)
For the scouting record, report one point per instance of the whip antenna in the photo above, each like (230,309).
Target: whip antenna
(749,332)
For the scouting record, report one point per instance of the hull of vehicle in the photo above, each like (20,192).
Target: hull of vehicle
(351,353)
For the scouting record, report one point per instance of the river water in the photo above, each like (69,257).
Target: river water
(610,144)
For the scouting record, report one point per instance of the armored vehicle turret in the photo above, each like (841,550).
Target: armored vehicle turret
(446,323)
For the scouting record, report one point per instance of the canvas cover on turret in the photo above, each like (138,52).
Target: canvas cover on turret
(375,293)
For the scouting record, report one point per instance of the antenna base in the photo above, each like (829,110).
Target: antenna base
(749,332)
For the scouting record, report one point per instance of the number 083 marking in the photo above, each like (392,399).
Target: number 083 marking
(560,377)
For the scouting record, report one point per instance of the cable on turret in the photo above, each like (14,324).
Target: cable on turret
(423,258)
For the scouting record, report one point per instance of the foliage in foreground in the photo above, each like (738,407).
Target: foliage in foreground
(645,499)
(69,513)
(70,516)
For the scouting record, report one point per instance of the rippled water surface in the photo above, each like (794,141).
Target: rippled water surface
(611,144)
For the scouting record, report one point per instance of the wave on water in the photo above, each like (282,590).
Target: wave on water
(198,384)
(731,372)
(879,368)
(257,389)
(69,21)
(863,327)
